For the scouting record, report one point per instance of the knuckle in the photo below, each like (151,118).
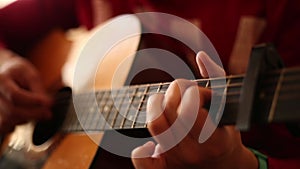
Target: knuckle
(34,75)
(6,89)
(9,110)
(13,94)
(176,82)
(183,82)
(180,85)
(155,127)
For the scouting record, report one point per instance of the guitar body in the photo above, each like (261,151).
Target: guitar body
(75,150)
(107,160)
(46,145)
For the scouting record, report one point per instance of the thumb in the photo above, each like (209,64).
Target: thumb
(147,157)
(141,156)
(207,67)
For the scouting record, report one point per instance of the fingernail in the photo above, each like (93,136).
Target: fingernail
(149,144)
(154,107)
(157,151)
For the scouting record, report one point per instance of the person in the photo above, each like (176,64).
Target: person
(233,26)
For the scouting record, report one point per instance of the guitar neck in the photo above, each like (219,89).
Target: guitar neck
(126,107)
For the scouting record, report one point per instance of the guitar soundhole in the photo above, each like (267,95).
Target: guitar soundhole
(45,130)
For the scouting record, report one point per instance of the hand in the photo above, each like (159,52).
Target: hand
(22,95)
(223,149)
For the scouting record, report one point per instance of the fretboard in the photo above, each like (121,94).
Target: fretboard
(126,107)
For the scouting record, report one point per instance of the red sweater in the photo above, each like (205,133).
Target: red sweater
(24,22)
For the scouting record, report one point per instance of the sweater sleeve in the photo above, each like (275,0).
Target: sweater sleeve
(24,22)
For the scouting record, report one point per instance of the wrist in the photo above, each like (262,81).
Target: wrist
(243,158)
(261,158)
(238,158)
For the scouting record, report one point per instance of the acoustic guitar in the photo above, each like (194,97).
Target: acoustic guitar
(71,138)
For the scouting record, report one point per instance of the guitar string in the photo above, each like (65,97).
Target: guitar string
(268,75)
(119,127)
(240,84)
(169,83)
(236,85)
(228,94)
(123,123)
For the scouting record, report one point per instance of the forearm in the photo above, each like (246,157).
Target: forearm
(241,158)
(237,157)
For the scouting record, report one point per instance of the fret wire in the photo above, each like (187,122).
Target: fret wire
(288,87)
(116,109)
(107,109)
(91,113)
(236,93)
(95,117)
(291,86)
(78,110)
(122,105)
(223,102)
(231,85)
(100,119)
(268,76)
(275,98)
(139,106)
(232,77)
(102,107)
(130,106)
(217,87)
(207,84)
(290,74)
(99,97)
(73,122)
(120,108)
(166,84)
(201,83)
(164,87)
(159,87)
(127,111)
(82,112)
